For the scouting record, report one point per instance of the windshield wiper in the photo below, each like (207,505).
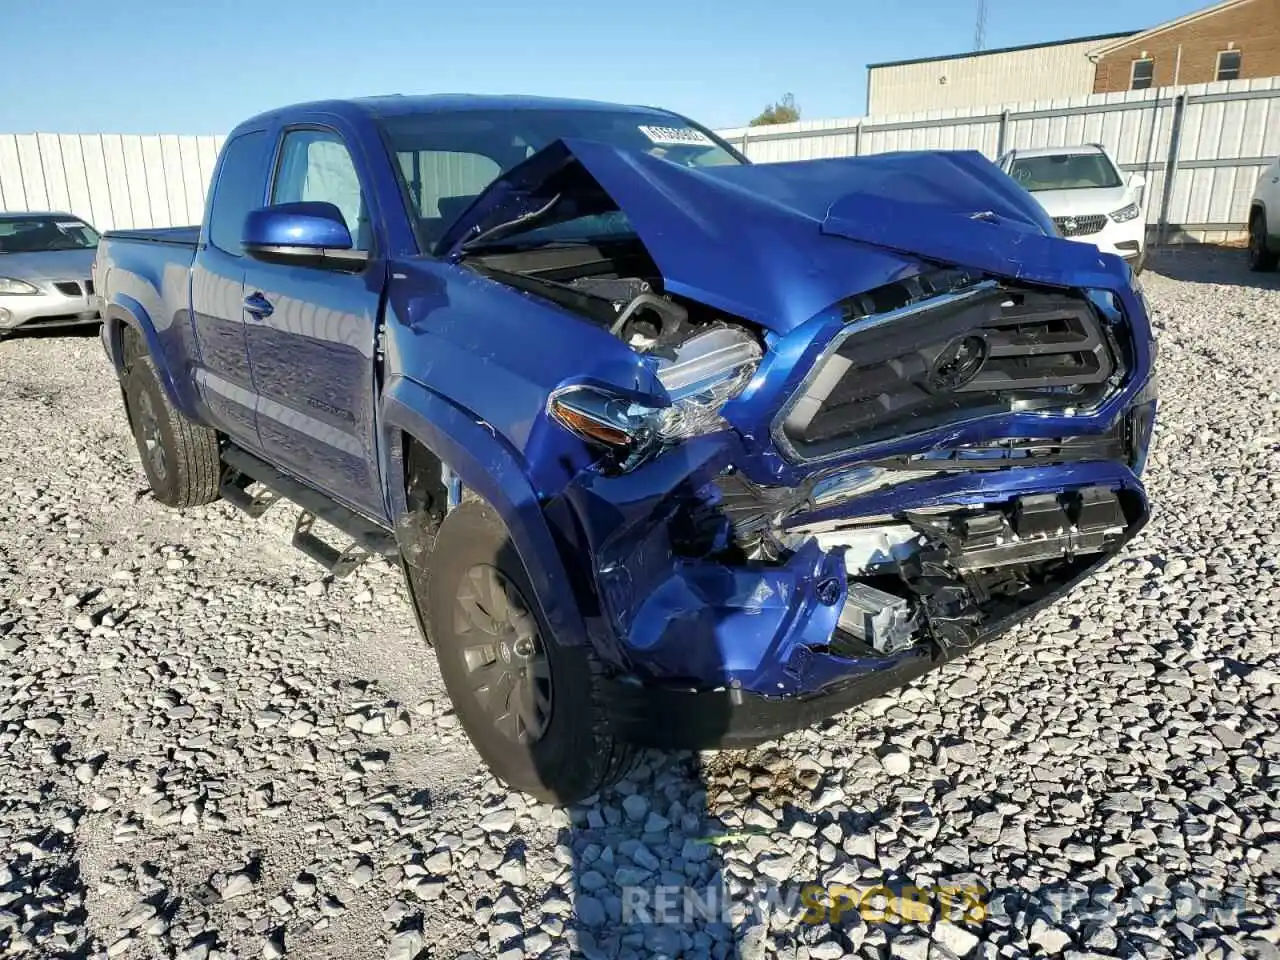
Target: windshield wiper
(532,243)
(508,227)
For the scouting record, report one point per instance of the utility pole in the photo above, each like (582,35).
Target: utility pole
(980,28)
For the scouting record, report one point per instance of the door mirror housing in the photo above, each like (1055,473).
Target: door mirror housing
(1137,181)
(310,234)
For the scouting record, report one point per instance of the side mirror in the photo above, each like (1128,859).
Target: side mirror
(309,234)
(1137,180)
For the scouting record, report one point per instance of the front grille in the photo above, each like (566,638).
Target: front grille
(69,287)
(992,350)
(1017,452)
(1080,226)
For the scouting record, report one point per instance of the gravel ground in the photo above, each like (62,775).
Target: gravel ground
(206,750)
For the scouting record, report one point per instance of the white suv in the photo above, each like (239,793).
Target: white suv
(1264,220)
(1087,196)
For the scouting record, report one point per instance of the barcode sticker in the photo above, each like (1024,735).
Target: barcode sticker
(677,136)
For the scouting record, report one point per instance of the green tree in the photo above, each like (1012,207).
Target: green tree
(784,111)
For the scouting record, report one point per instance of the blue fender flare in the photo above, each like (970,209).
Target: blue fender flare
(488,466)
(128,312)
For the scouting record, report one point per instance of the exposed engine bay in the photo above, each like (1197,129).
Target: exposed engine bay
(614,283)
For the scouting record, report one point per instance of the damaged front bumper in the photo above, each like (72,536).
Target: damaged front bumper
(674,716)
(708,649)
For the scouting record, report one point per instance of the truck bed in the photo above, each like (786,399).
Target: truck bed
(177,236)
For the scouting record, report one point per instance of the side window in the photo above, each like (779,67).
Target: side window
(241,177)
(1229,65)
(1141,73)
(316,165)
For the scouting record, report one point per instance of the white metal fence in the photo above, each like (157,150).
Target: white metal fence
(1201,148)
(112,180)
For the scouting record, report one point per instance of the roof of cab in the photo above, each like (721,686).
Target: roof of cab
(398,105)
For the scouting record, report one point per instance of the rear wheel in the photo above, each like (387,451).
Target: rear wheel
(180,458)
(530,704)
(1260,257)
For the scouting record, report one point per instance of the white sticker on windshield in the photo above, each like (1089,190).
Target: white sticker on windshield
(677,136)
(68,224)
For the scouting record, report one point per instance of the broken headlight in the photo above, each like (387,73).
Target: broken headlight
(708,371)
(700,377)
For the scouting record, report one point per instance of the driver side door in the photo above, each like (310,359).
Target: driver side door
(311,334)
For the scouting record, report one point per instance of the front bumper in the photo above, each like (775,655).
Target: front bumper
(671,717)
(1126,240)
(761,651)
(50,307)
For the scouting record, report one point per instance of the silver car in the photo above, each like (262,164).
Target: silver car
(45,271)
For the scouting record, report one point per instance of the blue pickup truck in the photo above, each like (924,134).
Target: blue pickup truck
(674,449)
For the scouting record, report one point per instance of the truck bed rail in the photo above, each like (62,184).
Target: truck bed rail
(176,236)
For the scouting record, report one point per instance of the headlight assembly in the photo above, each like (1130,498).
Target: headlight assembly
(18,287)
(708,371)
(1125,214)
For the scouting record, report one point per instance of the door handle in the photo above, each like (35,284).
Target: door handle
(258,306)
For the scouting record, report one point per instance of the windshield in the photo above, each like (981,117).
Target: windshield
(41,234)
(1065,171)
(447,159)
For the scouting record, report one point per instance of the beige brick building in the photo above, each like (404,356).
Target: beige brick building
(1237,39)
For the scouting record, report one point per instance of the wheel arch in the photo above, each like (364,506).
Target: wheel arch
(416,419)
(129,332)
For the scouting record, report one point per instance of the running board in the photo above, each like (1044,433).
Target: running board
(370,539)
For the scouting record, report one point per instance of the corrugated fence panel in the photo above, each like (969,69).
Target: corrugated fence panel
(175,187)
(114,181)
(13,194)
(73,170)
(55,180)
(32,171)
(135,178)
(118,182)
(193,182)
(152,165)
(95,171)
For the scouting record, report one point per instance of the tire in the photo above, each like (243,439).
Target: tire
(1260,257)
(180,458)
(531,705)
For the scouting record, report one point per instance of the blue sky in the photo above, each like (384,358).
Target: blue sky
(200,66)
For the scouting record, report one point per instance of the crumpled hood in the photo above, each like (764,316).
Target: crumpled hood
(48,265)
(770,242)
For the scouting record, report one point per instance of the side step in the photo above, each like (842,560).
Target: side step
(370,539)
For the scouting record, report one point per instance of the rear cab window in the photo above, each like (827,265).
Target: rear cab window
(240,188)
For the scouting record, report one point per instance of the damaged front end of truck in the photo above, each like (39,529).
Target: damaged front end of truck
(887,414)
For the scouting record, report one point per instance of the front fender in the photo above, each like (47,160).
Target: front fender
(125,311)
(488,466)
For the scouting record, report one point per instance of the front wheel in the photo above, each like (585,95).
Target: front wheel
(1260,257)
(180,458)
(530,704)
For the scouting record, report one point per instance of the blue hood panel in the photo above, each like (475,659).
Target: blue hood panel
(771,242)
